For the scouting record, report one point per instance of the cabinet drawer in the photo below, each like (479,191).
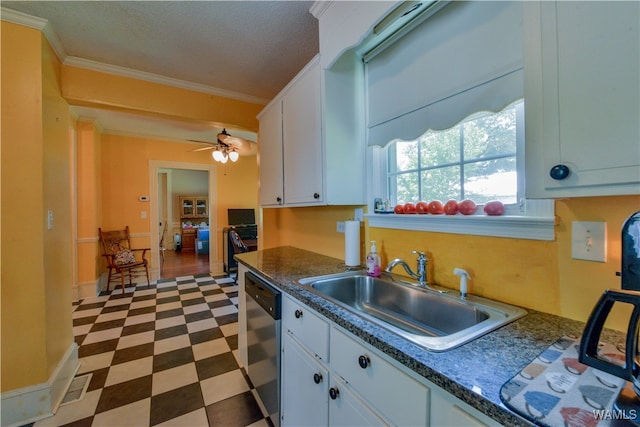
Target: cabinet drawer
(379,381)
(307,327)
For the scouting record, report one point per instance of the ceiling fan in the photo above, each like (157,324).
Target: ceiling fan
(227,147)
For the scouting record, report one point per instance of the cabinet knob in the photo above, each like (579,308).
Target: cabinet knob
(317,378)
(298,314)
(559,172)
(279,200)
(364,361)
(334,393)
(316,196)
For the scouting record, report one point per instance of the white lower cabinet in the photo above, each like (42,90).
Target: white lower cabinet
(305,387)
(354,384)
(400,398)
(347,409)
(452,412)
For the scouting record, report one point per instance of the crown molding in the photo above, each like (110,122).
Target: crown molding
(20,18)
(75,61)
(43,25)
(37,23)
(319,7)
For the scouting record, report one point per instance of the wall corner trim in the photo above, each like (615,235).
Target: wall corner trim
(39,401)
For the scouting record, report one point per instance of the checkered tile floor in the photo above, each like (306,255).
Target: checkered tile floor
(162,356)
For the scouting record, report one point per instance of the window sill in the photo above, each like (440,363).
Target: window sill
(511,226)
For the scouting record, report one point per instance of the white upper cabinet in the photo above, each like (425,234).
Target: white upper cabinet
(312,140)
(290,149)
(270,143)
(302,138)
(582,97)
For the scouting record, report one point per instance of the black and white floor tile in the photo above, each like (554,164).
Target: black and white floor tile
(164,355)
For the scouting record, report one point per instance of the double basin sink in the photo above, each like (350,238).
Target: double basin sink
(433,319)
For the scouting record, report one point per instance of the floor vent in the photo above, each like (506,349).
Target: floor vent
(77,389)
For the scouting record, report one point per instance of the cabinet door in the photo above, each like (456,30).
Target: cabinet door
(587,117)
(304,387)
(270,156)
(346,409)
(187,207)
(202,207)
(303,161)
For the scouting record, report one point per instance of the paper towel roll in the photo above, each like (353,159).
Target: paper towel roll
(352,243)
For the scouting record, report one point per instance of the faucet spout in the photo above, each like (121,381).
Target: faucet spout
(420,275)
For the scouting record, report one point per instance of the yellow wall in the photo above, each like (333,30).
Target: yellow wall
(534,274)
(89,201)
(23,302)
(237,189)
(57,190)
(36,262)
(582,282)
(98,89)
(312,228)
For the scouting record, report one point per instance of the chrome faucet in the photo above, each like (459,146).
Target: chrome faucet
(420,275)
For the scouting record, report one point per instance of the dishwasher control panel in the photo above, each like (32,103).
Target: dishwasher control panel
(268,297)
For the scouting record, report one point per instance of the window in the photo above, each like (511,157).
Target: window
(428,92)
(476,159)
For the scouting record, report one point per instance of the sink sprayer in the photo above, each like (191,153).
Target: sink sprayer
(463,281)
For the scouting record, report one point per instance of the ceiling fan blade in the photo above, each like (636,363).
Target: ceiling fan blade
(234,143)
(201,149)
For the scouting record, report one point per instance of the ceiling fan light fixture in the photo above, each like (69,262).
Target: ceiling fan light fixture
(217,155)
(224,158)
(233,156)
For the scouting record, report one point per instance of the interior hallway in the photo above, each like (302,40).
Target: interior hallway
(182,263)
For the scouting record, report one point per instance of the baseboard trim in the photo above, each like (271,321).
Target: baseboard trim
(87,289)
(36,402)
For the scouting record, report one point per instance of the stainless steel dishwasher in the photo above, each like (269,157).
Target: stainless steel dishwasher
(263,303)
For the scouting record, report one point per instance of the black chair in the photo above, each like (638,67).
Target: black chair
(239,247)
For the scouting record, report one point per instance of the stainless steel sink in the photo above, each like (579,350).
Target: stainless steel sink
(433,319)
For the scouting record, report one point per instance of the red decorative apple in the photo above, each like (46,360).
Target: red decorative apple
(436,207)
(409,208)
(399,209)
(451,207)
(494,208)
(467,207)
(422,207)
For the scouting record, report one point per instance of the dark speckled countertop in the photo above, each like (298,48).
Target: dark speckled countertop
(483,364)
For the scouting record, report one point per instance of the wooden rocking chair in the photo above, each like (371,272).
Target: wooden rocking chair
(121,257)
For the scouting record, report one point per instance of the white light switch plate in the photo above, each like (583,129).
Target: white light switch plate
(589,240)
(49,220)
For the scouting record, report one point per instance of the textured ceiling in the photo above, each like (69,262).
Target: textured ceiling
(249,48)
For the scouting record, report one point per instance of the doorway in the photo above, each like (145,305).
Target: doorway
(163,184)
(177,258)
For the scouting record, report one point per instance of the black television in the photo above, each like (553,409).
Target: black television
(241,216)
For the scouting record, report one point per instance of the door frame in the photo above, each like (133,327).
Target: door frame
(155,167)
